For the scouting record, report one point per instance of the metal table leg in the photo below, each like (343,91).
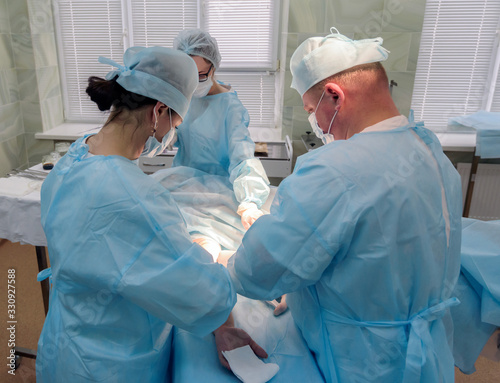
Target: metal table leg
(41,257)
(470,185)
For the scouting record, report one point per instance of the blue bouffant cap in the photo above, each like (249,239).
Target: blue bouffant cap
(163,74)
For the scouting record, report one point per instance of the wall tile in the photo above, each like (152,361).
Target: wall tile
(291,45)
(4,17)
(32,116)
(21,151)
(300,122)
(8,87)
(52,112)
(28,88)
(403,15)
(399,46)
(18,16)
(362,17)
(414,50)
(44,47)
(287,125)
(6,52)
(48,82)
(306,16)
(12,154)
(291,97)
(11,122)
(40,13)
(301,37)
(402,94)
(298,149)
(23,51)
(37,148)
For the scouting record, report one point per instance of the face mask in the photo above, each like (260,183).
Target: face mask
(153,147)
(325,138)
(203,88)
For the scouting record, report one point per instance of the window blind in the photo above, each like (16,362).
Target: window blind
(157,22)
(256,92)
(87,29)
(456,51)
(244,30)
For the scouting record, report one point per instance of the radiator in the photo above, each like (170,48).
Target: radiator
(485,203)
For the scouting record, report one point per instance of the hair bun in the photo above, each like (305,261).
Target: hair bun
(103,92)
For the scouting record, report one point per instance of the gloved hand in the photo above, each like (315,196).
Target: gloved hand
(282,306)
(229,337)
(209,245)
(249,213)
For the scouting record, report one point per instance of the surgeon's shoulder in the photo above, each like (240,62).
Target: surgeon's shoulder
(133,180)
(318,168)
(327,157)
(232,100)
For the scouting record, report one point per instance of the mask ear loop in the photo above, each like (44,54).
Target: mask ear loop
(155,126)
(331,122)
(170,117)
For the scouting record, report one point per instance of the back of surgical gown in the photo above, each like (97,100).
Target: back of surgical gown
(123,272)
(365,238)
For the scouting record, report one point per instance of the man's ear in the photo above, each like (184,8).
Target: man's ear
(335,92)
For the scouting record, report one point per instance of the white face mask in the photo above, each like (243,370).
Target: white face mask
(203,88)
(325,138)
(153,147)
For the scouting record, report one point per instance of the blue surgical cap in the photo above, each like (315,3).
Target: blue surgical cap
(318,58)
(196,42)
(160,73)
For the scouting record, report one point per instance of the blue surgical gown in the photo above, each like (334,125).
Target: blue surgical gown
(478,315)
(364,237)
(214,138)
(215,170)
(124,270)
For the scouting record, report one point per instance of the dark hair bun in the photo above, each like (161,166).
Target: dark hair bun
(108,93)
(104,92)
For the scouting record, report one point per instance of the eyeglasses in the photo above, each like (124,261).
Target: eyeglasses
(202,77)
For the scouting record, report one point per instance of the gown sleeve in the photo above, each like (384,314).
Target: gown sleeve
(290,248)
(139,248)
(246,173)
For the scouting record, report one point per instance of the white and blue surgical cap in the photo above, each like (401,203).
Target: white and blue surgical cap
(160,73)
(318,58)
(196,42)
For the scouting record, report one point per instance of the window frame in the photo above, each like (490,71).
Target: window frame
(127,40)
(424,91)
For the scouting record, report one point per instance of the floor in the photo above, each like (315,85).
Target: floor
(30,316)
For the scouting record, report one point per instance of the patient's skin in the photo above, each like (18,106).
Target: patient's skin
(224,257)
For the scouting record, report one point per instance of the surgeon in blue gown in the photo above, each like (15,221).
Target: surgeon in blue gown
(364,236)
(215,163)
(123,266)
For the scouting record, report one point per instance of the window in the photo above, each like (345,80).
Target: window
(246,31)
(458,61)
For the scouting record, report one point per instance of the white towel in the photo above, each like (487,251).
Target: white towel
(18,186)
(248,367)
